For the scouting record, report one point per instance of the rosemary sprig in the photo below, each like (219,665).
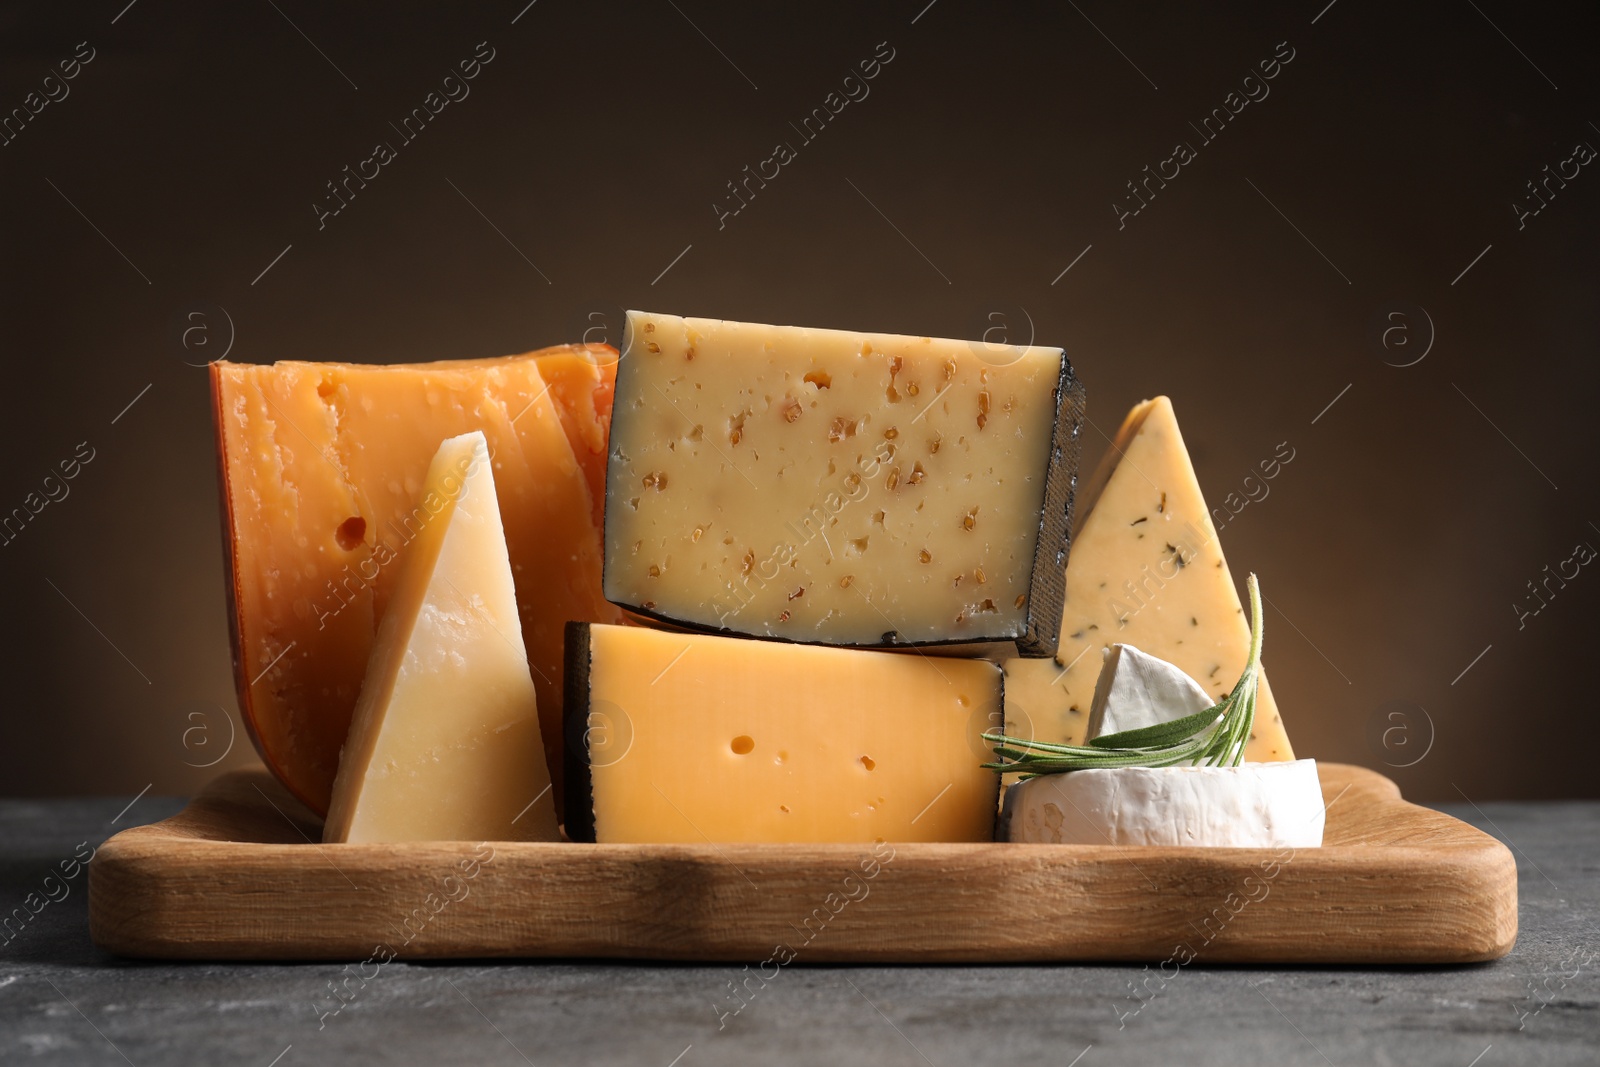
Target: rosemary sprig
(1215,737)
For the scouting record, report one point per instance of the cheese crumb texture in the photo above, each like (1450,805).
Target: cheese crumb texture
(838,488)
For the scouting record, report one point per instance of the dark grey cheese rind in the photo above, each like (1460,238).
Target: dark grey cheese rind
(959,647)
(1047,591)
(578,784)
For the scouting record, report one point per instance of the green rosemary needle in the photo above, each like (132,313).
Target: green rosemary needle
(1214,738)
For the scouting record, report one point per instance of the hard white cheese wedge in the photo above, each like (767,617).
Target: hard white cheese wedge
(1136,690)
(1254,805)
(444,743)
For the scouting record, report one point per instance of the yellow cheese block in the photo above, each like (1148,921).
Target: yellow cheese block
(444,743)
(1147,570)
(686,738)
(827,487)
(322,466)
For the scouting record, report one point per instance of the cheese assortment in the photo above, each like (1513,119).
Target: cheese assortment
(322,472)
(444,743)
(686,738)
(862,490)
(741,584)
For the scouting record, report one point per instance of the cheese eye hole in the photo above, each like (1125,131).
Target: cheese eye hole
(868,762)
(351,532)
(743,745)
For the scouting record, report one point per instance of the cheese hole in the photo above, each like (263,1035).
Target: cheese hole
(784,808)
(820,378)
(351,532)
(743,745)
(868,762)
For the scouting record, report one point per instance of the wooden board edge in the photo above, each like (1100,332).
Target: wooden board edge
(140,906)
(153,893)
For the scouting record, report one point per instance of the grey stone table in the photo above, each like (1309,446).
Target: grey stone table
(64,1001)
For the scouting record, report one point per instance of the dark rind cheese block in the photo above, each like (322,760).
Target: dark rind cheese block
(867,491)
(578,805)
(686,738)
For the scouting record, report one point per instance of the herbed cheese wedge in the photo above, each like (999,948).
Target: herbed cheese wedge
(444,743)
(322,465)
(689,738)
(1254,805)
(1146,569)
(849,489)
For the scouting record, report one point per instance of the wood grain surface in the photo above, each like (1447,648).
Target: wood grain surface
(240,874)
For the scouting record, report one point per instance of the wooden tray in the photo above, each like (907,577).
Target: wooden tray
(237,875)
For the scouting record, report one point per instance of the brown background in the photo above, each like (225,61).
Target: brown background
(985,159)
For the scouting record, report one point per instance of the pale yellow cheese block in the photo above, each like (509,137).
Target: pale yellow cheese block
(694,738)
(839,488)
(444,743)
(1146,569)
